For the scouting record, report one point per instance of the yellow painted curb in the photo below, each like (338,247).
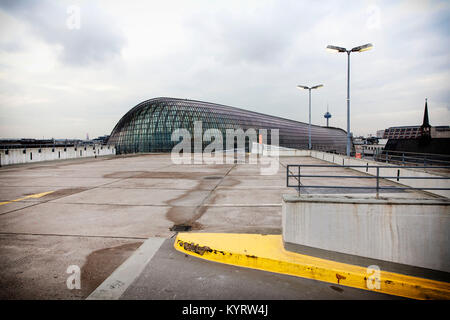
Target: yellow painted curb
(266,252)
(37,195)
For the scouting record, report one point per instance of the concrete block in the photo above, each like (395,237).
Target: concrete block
(411,232)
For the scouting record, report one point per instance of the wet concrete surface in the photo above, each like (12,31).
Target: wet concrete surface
(34,266)
(101,209)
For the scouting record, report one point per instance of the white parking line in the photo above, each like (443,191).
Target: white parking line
(116,284)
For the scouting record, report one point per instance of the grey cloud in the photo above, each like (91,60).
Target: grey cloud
(262,36)
(97,39)
(11,46)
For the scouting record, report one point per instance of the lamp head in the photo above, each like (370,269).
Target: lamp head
(336,49)
(362,48)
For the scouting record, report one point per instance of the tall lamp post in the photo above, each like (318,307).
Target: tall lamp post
(355,49)
(309,127)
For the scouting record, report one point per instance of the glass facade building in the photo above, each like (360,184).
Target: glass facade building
(148,126)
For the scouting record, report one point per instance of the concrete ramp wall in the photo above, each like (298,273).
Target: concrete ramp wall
(411,232)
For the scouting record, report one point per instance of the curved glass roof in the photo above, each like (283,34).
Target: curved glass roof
(149,125)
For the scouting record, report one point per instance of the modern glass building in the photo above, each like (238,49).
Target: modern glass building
(148,126)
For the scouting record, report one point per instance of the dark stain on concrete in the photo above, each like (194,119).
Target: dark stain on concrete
(180,227)
(62,193)
(172,175)
(212,177)
(180,214)
(124,174)
(229,181)
(188,215)
(101,263)
(337,289)
(196,226)
(43,167)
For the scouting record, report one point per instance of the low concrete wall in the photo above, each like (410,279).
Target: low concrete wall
(275,151)
(30,155)
(411,232)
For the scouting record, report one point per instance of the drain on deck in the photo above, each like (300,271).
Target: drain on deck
(212,177)
(180,227)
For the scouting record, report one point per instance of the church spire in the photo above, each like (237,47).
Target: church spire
(425,128)
(426,122)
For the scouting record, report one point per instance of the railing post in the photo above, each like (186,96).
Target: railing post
(378,181)
(403,158)
(287,176)
(299,184)
(387,155)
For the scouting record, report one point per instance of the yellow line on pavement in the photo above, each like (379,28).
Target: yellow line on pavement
(37,195)
(266,252)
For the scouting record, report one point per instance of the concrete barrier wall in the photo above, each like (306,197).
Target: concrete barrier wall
(409,232)
(30,155)
(269,150)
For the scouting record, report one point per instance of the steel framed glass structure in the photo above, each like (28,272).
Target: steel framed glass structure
(148,126)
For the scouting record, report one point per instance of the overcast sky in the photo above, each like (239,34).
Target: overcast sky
(63,79)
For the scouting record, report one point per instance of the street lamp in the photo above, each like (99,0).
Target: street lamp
(309,128)
(355,49)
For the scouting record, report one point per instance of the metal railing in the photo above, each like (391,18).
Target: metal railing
(298,175)
(408,158)
(425,159)
(55,145)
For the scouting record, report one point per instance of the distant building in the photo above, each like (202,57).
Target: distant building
(380,134)
(29,143)
(415,132)
(370,146)
(419,139)
(101,139)
(440,132)
(405,132)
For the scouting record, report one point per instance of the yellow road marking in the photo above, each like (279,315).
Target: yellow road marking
(266,252)
(37,195)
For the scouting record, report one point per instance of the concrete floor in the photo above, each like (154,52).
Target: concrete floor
(102,209)
(205,280)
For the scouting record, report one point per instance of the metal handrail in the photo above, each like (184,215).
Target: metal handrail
(417,153)
(298,176)
(393,158)
(406,157)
